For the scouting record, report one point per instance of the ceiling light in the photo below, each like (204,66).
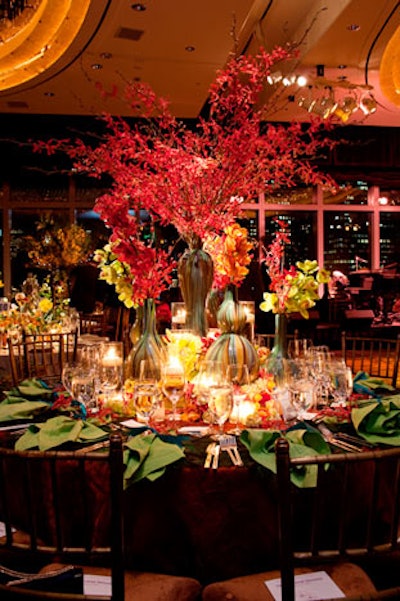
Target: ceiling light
(138,6)
(301,81)
(190,48)
(274,78)
(353,27)
(307,103)
(96,66)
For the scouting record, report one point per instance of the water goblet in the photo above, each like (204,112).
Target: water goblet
(301,387)
(84,389)
(220,400)
(238,375)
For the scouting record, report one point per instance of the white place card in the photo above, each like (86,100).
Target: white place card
(96,585)
(3,529)
(313,586)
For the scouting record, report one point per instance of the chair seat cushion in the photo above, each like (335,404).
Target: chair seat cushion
(143,586)
(351,579)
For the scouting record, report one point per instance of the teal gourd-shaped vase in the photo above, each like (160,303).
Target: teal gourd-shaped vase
(232,346)
(149,346)
(195,273)
(279,352)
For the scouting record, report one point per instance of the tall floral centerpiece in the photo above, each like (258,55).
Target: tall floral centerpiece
(196,177)
(292,290)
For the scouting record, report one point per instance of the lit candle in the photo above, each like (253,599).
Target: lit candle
(111,358)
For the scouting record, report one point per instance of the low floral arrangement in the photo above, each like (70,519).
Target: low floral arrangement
(34,310)
(295,289)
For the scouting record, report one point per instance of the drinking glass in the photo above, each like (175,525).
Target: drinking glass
(173,383)
(84,389)
(68,371)
(220,400)
(341,383)
(110,367)
(300,385)
(298,347)
(146,392)
(238,375)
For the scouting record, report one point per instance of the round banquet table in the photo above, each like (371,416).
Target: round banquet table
(205,523)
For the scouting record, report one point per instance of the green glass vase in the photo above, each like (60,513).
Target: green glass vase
(195,273)
(275,362)
(232,347)
(149,346)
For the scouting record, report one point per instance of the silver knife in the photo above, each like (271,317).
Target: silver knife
(209,455)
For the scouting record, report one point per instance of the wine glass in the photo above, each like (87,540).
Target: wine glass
(238,375)
(220,400)
(300,385)
(110,367)
(146,392)
(341,383)
(68,371)
(298,347)
(173,382)
(84,389)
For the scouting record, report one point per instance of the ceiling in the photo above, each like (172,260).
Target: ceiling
(54,55)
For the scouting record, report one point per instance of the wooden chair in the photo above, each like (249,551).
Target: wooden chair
(379,357)
(41,355)
(64,514)
(344,525)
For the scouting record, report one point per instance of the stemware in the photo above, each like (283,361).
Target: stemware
(173,383)
(341,383)
(300,385)
(238,375)
(146,391)
(83,388)
(110,365)
(299,347)
(219,397)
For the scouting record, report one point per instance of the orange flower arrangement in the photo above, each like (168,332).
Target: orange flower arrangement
(231,254)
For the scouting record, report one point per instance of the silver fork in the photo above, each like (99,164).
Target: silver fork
(228,443)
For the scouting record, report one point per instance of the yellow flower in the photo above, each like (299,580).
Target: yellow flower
(45,305)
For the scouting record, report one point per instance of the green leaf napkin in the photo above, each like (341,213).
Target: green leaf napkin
(302,443)
(147,457)
(25,401)
(364,384)
(57,431)
(379,422)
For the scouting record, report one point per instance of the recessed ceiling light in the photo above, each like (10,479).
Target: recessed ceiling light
(49,94)
(342,66)
(353,27)
(96,66)
(106,55)
(138,6)
(190,48)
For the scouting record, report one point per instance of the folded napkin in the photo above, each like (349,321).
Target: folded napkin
(25,401)
(379,421)
(364,384)
(57,431)
(303,441)
(147,457)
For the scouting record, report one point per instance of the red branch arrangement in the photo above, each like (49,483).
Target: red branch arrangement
(195,178)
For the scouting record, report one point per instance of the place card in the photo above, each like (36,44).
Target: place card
(96,585)
(313,586)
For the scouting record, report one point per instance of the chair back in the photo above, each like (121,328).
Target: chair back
(41,355)
(379,357)
(352,512)
(53,505)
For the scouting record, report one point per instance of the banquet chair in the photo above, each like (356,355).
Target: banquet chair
(379,357)
(41,355)
(63,513)
(346,524)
